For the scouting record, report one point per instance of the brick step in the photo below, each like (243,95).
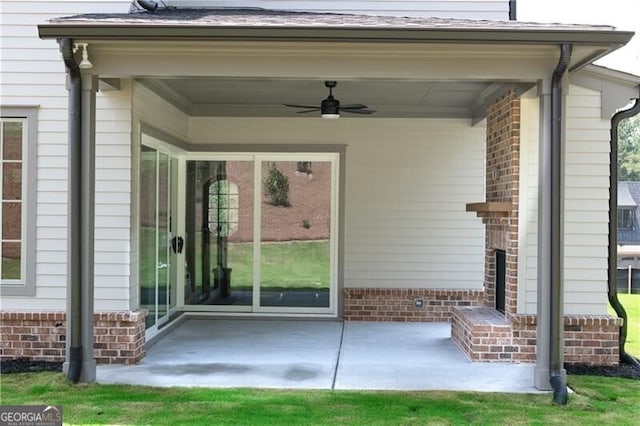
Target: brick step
(484,334)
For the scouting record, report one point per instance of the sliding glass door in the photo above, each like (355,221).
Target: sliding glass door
(295,234)
(260,233)
(158,245)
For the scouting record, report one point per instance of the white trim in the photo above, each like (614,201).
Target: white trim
(257,158)
(180,230)
(257,232)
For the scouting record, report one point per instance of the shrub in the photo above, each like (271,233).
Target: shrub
(276,187)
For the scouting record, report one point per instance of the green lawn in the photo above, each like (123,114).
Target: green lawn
(286,265)
(597,400)
(290,265)
(631,304)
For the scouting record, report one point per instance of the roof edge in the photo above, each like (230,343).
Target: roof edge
(253,33)
(610,74)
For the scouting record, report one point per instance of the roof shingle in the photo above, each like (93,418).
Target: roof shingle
(279,18)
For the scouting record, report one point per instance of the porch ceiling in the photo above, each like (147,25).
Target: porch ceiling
(254,97)
(257,60)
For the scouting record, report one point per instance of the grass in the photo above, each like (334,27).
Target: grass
(631,304)
(598,400)
(284,265)
(290,265)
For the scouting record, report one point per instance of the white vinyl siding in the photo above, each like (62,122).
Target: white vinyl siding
(113,199)
(586,206)
(528,209)
(33,74)
(407,182)
(470,9)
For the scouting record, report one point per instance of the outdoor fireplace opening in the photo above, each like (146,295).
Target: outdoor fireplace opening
(501,272)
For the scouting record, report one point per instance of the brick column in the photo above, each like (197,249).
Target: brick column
(41,336)
(502,180)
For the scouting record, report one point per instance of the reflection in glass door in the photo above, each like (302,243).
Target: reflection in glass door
(219,233)
(259,233)
(295,234)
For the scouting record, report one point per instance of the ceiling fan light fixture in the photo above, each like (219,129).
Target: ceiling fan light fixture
(330,108)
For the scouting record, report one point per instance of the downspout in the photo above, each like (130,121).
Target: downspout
(512,10)
(613,230)
(557,373)
(74,269)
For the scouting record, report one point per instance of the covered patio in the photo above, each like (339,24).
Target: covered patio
(462,109)
(264,353)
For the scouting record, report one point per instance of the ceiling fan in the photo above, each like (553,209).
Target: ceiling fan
(330,107)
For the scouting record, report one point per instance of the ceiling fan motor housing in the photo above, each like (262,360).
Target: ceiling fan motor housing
(330,106)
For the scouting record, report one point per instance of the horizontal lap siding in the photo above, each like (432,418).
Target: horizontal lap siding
(113,200)
(528,231)
(407,183)
(407,186)
(586,208)
(33,74)
(472,9)
(586,199)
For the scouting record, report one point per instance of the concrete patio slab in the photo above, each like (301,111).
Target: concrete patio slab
(238,353)
(299,354)
(419,356)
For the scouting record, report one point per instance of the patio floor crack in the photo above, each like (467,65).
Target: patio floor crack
(335,371)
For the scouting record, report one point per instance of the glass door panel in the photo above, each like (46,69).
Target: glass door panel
(295,234)
(148,232)
(163,282)
(158,177)
(219,233)
(175,239)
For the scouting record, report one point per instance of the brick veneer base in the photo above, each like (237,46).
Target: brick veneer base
(41,336)
(385,304)
(486,335)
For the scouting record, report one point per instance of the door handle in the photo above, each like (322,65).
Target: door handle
(177,243)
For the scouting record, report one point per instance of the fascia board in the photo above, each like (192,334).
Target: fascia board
(424,35)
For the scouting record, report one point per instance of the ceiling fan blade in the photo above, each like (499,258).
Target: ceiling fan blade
(309,110)
(302,106)
(353,106)
(359,111)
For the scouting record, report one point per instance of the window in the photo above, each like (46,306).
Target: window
(625,218)
(17,214)
(223,208)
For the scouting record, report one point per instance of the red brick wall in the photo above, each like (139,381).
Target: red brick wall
(387,304)
(41,336)
(502,177)
(590,340)
(485,335)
